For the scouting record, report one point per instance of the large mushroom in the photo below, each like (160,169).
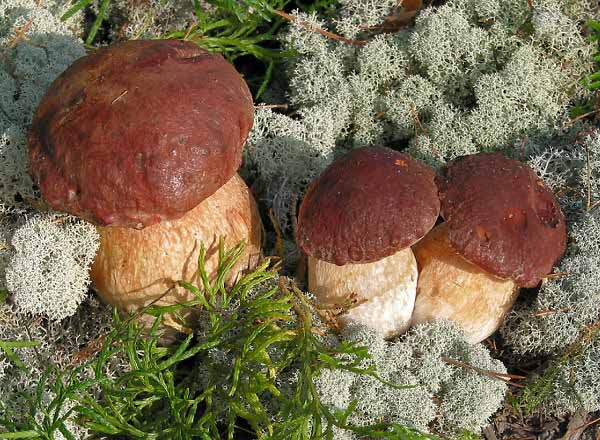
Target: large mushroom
(357,223)
(503,230)
(144,138)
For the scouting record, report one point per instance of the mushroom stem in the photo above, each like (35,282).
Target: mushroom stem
(385,290)
(452,288)
(136,267)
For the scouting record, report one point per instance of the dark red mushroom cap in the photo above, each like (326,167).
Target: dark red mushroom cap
(502,217)
(367,205)
(139,132)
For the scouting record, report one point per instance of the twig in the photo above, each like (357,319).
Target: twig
(594,205)
(60,220)
(415,115)
(376,28)
(419,125)
(494,375)
(295,305)
(294,209)
(313,28)
(89,350)
(591,331)
(330,320)
(553,276)
(588,424)
(331,312)
(283,106)
(318,332)
(552,312)
(19,36)
(580,117)
(189,31)
(120,96)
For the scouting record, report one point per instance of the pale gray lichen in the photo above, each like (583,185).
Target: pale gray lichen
(455,62)
(577,386)
(381,61)
(357,15)
(48,273)
(152,18)
(277,141)
(546,166)
(527,95)
(444,396)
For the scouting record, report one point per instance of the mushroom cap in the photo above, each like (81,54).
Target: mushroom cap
(139,132)
(367,205)
(502,217)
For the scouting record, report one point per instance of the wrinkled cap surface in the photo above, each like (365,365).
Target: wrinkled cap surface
(139,132)
(367,205)
(502,217)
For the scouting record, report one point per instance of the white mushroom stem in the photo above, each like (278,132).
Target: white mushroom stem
(135,267)
(452,288)
(386,290)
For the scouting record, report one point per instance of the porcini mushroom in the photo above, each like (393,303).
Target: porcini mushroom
(357,223)
(503,230)
(148,134)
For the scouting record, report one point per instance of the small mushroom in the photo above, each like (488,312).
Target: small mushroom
(144,138)
(503,230)
(357,223)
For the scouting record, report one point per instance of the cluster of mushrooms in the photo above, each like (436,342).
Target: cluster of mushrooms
(144,139)
(368,227)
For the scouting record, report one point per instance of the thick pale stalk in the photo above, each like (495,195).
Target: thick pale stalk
(452,288)
(388,286)
(135,267)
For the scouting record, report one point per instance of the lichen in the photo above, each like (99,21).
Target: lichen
(441,394)
(48,274)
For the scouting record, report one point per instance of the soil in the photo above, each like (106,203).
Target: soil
(506,425)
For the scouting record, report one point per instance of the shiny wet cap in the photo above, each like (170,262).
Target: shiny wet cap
(502,217)
(139,132)
(367,205)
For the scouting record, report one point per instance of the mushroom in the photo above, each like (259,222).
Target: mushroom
(357,223)
(144,138)
(503,230)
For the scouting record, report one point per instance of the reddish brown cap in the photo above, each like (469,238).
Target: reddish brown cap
(367,205)
(139,132)
(502,217)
